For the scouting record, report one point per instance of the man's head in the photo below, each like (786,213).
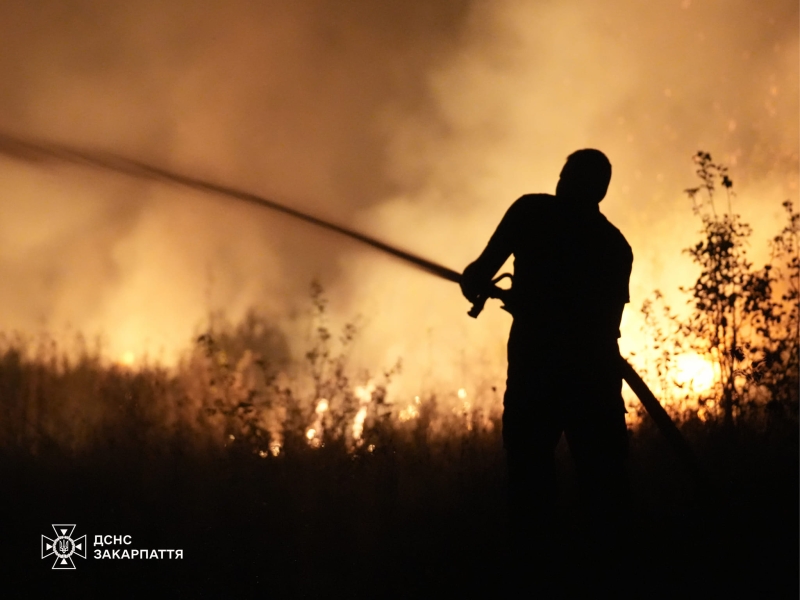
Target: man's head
(585,177)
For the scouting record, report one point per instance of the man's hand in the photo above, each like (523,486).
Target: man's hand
(472,285)
(477,288)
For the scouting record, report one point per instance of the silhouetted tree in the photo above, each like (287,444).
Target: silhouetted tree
(777,368)
(739,320)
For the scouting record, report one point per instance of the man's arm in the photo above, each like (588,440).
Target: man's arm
(477,277)
(626,267)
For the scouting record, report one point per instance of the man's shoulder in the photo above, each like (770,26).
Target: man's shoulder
(536,199)
(616,236)
(533,203)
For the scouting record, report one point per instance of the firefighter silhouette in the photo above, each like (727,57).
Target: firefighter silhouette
(571,273)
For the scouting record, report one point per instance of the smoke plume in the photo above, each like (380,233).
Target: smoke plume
(418,123)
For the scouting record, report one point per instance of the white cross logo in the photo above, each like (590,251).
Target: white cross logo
(63,546)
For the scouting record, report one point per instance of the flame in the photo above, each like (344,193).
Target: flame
(462,393)
(409,412)
(364,395)
(313,432)
(364,392)
(695,371)
(358,422)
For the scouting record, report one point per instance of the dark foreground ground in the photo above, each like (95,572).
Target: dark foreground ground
(409,521)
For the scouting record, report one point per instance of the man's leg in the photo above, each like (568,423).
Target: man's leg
(532,426)
(530,439)
(598,442)
(532,489)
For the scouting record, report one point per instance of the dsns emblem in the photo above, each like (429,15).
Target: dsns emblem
(63,546)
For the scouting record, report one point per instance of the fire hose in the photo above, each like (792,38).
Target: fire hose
(30,150)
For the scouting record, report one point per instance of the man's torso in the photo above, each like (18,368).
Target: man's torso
(571,272)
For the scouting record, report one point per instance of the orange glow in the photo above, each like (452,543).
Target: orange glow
(358,423)
(364,395)
(695,371)
(408,413)
(423,143)
(364,392)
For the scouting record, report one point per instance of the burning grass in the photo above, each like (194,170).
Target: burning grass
(296,477)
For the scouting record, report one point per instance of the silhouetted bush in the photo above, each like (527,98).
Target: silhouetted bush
(745,321)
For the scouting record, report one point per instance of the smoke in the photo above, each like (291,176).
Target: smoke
(648,83)
(270,97)
(418,123)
